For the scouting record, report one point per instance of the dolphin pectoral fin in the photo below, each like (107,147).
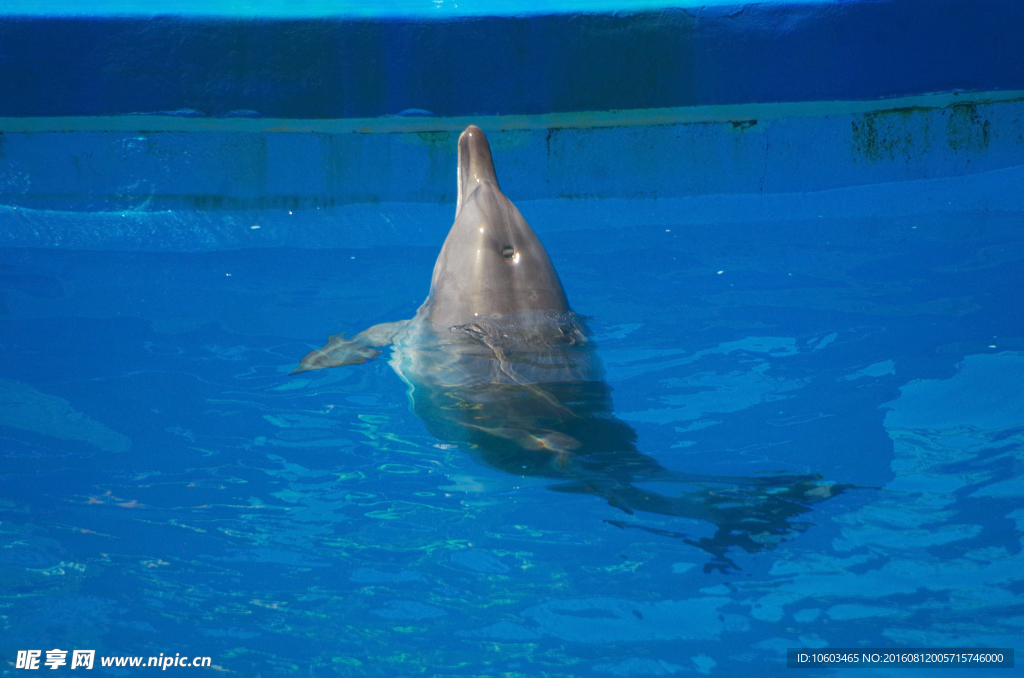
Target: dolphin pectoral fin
(339,351)
(336,352)
(380,335)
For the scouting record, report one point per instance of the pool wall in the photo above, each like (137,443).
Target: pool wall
(282,131)
(333,67)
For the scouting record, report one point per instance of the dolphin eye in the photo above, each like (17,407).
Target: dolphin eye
(507,251)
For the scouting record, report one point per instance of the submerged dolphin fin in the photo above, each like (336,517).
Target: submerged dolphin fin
(336,352)
(340,351)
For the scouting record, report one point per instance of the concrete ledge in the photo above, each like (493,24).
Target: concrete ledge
(396,124)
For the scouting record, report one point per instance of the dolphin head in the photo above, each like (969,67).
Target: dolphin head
(492,264)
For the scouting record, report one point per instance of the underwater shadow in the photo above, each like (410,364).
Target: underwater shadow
(530,399)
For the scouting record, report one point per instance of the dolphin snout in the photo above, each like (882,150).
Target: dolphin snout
(475,163)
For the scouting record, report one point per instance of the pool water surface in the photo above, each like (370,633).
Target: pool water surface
(168,487)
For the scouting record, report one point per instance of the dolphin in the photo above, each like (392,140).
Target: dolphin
(498,363)
(492,267)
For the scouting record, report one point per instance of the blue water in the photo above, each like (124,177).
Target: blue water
(166,486)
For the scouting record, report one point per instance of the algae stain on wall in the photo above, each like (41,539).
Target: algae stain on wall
(440,162)
(898,134)
(907,133)
(966,130)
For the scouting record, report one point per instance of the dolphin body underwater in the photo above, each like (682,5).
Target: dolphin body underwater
(498,363)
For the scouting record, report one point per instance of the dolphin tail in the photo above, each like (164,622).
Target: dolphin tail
(749,513)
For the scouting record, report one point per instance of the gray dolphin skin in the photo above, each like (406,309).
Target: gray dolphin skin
(491,266)
(498,364)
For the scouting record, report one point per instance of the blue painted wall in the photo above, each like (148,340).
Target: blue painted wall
(205,190)
(356,67)
(293,170)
